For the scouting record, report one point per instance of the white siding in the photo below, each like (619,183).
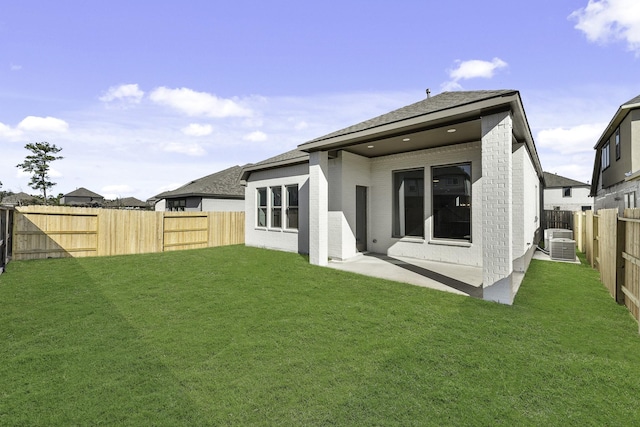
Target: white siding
(554,198)
(285,240)
(161,205)
(526,208)
(222,205)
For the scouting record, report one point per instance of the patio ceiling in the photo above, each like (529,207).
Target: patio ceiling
(450,134)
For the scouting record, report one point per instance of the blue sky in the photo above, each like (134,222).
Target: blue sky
(146,96)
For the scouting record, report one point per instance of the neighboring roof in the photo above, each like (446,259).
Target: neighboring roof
(619,116)
(129,202)
(223,184)
(82,192)
(553,180)
(440,102)
(288,158)
(18,199)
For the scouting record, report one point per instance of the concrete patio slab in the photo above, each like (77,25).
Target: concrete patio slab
(458,279)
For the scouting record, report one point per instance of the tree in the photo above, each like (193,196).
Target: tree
(37,164)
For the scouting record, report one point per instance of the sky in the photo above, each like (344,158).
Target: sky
(144,96)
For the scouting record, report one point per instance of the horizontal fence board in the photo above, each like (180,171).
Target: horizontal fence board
(53,231)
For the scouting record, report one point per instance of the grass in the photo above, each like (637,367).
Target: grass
(244,336)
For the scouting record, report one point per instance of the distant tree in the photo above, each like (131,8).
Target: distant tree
(37,164)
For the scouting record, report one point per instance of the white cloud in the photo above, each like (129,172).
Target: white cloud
(577,139)
(195,103)
(115,191)
(301,125)
(256,136)
(195,129)
(471,69)
(43,124)
(126,93)
(9,132)
(188,149)
(610,20)
(15,67)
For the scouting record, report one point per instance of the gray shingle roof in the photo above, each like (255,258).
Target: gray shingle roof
(82,192)
(221,184)
(635,100)
(131,202)
(289,156)
(553,180)
(440,102)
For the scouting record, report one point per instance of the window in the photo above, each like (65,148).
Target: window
(292,207)
(630,200)
(276,207)
(617,143)
(566,191)
(262,207)
(271,211)
(605,156)
(408,203)
(451,189)
(176,205)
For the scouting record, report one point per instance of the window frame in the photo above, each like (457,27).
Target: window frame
(617,142)
(260,207)
(278,215)
(292,207)
(605,154)
(566,190)
(468,205)
(396,221)
(176,205)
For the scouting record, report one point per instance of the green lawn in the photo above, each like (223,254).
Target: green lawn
(244,336)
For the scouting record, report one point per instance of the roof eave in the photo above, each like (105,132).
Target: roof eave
(244,176)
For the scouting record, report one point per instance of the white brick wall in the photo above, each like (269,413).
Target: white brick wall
(318,208)
(497,198)
(284,240)
(381,200)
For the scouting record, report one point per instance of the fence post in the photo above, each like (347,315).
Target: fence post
(620,244)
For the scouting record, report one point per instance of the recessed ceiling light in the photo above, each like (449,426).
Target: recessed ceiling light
(406,139)
(369,146)
(451,130)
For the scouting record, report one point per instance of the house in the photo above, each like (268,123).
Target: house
(616,171)
(218,192)
(127,203)
(82,197)
(566,194)
(453,178)
(20,199)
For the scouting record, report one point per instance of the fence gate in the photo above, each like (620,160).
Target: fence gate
(557,219)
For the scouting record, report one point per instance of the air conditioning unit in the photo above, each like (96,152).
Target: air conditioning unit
(562,249)
(556,233)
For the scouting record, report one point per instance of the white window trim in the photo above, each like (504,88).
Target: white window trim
(284,206)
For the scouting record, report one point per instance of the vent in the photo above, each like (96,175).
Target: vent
(556,233)
(562,249)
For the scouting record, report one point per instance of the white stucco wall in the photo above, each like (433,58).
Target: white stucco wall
(222,205)
(280,239)
(161,205)
(553,197)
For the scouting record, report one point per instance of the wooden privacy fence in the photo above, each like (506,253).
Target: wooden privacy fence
(557,219)
(612,246)
(54,232)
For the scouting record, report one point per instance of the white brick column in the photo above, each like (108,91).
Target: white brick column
(318,208)
(497,199)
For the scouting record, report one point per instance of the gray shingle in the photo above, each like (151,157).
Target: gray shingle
(553,180)
(82,192)
(440,102)
(225,183)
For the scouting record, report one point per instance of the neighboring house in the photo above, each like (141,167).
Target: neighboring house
(127,203)
(82,197)
(452,178)
(566,194)
(616,171)
(20,199)
(218,192)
